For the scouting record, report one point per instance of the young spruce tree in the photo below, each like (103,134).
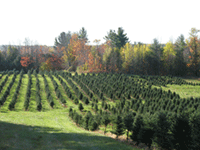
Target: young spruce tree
(105,120)
(119,127)
(128,122)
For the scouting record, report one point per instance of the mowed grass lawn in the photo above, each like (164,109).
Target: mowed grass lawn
(48,131)
(185,91)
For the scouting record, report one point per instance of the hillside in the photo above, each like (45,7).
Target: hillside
(42,110)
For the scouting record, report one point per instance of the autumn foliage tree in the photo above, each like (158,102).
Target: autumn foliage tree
(46,65)
(168,57)
(194,46)
(77,52)
(95,58)
(52,63)
(25,61)
(94,64)
(56,62)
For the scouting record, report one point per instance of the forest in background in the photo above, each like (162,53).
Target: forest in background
(117,55)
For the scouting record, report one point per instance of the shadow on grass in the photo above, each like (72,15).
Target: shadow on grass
(3,111)
(19,136)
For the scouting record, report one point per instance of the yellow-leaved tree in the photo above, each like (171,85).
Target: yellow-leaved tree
(168,57)
(127,54)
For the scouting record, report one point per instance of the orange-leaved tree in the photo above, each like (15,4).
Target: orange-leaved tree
(76,53)
(194,46)
(25,61)
(56,62)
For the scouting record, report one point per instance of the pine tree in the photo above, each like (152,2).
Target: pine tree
(181,128)
(119,127)
(137,125)
(195,124)
(86,120)
(154,57)
(83,34)
(180,64)
(63,40)
(117,40)
(105,120)
(128,122)
(161,128)
(80,107)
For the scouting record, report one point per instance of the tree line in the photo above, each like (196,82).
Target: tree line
(72,52)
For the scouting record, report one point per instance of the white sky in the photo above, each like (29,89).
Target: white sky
(142,20)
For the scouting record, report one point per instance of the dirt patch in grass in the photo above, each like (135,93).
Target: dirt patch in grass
(123,140)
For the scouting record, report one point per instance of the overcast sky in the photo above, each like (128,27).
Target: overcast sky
(142,20)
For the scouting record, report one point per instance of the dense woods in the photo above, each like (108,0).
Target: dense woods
(72,52)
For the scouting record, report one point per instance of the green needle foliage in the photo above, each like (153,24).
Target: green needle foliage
(137,125)
(182,132)
(105,120)
(162,128)
(80,106)
(128,122)
(119,127)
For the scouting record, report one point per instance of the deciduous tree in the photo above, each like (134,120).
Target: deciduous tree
(194,45)
(168,57)
(77,52)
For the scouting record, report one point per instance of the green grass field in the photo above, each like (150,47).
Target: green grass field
(50,130)
(185,91)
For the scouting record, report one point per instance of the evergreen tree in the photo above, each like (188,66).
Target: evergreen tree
(93,124)
(154,57)
(2,61)
(122,39)
(195,125)
(63,40)
(12,54)
(161,128)
(80,106)
(86,120)
(119,127)
(181,132)
(137,125)
(179,63)
(83,35)
(117,40)
(105,120)
(128,122)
